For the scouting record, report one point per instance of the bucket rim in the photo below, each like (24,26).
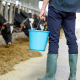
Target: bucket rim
(37,49)
(39,31)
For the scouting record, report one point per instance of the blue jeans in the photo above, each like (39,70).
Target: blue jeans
(56,19)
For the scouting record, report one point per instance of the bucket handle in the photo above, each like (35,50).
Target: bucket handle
(38,23)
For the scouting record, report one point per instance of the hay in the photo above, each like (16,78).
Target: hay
(15,53)
(61,33)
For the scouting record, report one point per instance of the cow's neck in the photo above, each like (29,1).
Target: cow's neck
(2,20)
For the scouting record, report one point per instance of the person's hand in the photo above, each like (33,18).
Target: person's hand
(42,15)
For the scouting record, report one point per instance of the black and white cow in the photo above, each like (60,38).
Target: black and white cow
(21,22)
(6,30)
(29,16)
(37,23)
(44,23)
(34,20)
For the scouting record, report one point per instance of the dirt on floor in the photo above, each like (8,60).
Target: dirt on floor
(15,53)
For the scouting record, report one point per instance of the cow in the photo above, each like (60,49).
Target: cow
(21,22)
(25,15)
(6,30)
(44,23)
(34,20)
(29,16)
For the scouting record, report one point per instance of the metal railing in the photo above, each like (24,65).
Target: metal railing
(7,9)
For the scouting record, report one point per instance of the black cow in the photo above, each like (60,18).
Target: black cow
(6,30)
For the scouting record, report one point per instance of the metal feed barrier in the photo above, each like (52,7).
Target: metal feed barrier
(8,12)
(8,9)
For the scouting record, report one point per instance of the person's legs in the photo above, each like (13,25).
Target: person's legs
(69,28)
(54,25)
(73,64)
(51,67)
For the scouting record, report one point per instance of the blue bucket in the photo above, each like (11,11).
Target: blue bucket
(38,40)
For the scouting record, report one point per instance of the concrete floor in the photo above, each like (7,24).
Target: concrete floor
(36,67)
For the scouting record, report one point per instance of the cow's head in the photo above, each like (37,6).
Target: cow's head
(35,22)
(6,32)
(35,17)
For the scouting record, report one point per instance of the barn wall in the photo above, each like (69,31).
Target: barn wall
(33,2)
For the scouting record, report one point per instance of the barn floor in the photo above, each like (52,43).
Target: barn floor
(34,68)
(15,53)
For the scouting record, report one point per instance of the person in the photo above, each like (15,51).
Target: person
(60,13)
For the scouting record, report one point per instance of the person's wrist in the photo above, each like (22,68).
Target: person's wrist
(42,9)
